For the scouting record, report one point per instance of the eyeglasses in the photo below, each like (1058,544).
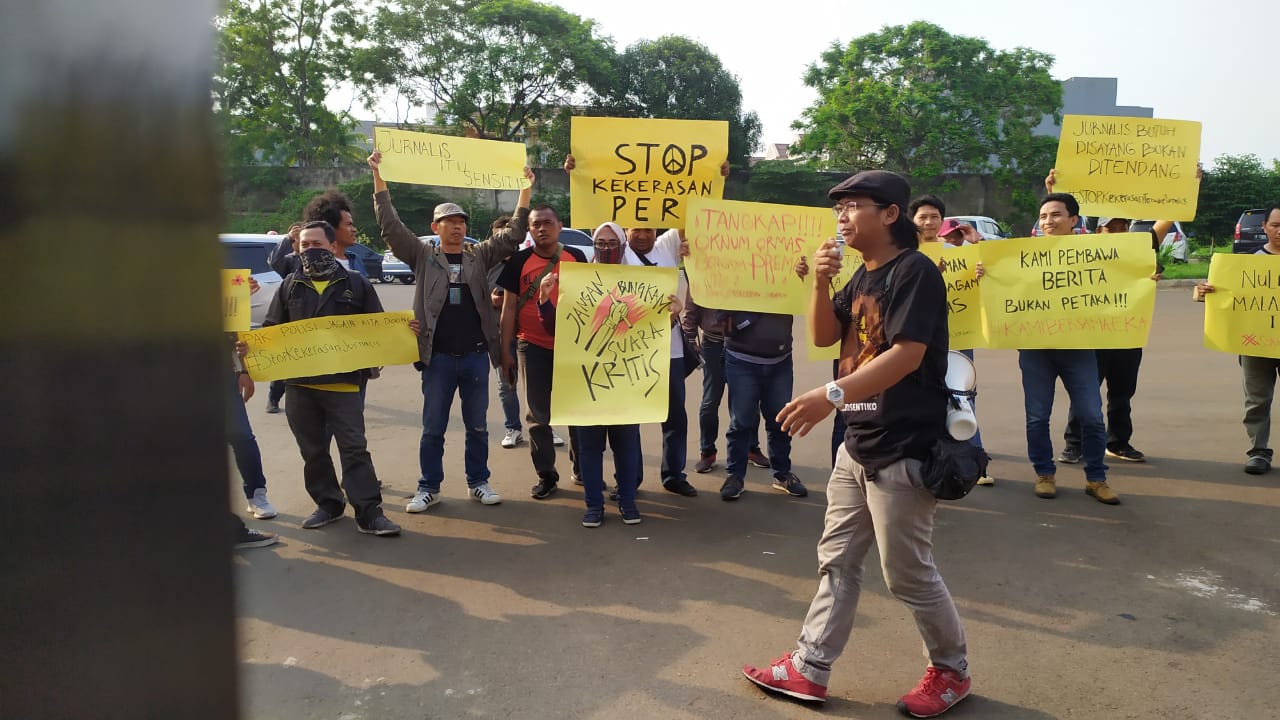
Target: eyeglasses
(607,244)
(853,207)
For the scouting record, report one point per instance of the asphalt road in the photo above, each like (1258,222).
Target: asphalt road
(1164,606)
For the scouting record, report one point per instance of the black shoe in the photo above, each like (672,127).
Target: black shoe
(732,488)
(1257,465)
(273,408)
(1070,455)
(790,484)
(613,495)
(680,486)
(253,539)
(320,518)
(705,463)
(545,488)
(1127,453)
(379,526)
(757,458)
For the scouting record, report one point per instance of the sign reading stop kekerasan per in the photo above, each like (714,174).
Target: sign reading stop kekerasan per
(642,172)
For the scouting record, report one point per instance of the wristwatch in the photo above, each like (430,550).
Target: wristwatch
(835,395)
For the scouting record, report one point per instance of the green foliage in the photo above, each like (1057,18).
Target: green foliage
(920,101)
(675,77)
(277,62)
(495,68)
(1235,184)
(788,183)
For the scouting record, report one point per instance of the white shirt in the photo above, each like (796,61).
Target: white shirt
(666,253)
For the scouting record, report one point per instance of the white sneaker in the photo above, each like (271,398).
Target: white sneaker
(512,439)
(485,494)
(556,439)
(259,506)
(421,501)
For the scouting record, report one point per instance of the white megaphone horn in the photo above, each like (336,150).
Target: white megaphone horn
(961,379)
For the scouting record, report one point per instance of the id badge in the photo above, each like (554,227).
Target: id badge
(455,296)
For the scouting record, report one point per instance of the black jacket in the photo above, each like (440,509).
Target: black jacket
(347,294)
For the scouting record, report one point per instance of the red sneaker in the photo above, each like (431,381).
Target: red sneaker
(938,690)
(783,677)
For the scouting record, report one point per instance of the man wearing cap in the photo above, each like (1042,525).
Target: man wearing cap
(1078,369)
(891,323)
(459,336)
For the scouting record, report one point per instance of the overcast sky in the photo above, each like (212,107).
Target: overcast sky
(1188,59)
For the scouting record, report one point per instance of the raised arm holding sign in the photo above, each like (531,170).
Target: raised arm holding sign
(642,172)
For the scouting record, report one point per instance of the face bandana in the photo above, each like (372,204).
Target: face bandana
(609,254)
(318,263)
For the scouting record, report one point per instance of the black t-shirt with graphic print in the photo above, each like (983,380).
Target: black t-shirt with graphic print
(458,329)
(905,299)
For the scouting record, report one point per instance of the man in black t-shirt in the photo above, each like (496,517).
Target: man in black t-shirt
(460,333)
(891,321)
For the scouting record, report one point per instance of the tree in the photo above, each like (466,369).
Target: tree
(788,183)
(923,102)
(1236,183)
(278,61)
(675,77)
(492,68)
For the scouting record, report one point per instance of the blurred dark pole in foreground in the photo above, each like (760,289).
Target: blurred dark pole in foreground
(115,574)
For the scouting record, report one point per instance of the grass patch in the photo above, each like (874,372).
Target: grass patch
(1186,271)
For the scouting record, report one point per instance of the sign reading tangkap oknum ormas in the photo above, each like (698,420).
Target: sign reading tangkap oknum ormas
(641,173)
(1242,315)
(1136,168)
(1068,292)
(613,344)
(742,256)
(236,314)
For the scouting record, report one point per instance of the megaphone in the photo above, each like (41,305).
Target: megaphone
(961,379)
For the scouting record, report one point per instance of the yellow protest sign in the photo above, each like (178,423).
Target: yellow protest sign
(613,344)
(959,266)
(1068,292)
(426,159)
(1240,314)
(324,345)
(742,256)
(235,300)
(848,266)
(1136,168)
(642,172)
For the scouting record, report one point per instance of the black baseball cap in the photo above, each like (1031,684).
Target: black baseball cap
(879,185)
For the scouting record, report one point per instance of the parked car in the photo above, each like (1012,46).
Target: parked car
(1249,234)
(393,268)
(989,229)
(250,252)
(1175,238)
(569,236)
(371,258)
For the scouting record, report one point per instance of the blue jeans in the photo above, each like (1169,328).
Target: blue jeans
(675,430)
(508,397)
(976,440)
(754,390)
(275,392)
(627,461)
(1079,372)
(243,444)
(468,377)
(712,394)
